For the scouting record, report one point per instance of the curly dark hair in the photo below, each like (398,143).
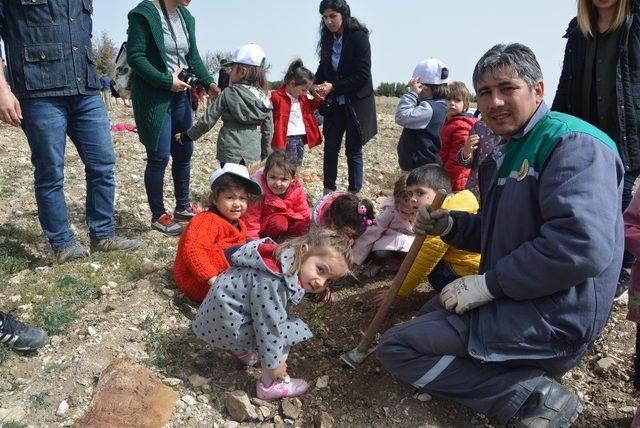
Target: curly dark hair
(325,44)
(344,214)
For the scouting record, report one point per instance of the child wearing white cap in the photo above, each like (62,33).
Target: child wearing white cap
(211,236)
(244,108)
(422,112)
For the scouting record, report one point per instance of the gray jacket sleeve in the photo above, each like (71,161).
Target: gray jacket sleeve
(413,114)
(266,130)
(208,120)
(579,198)
(269,312)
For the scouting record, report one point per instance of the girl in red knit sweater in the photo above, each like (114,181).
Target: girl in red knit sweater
(211,236)
(283,211)
(454,133)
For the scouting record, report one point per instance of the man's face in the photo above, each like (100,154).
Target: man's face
(506,102)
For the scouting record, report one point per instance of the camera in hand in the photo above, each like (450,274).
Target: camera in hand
(189,78)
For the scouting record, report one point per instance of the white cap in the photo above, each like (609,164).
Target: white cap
(239,171)
(431,71)
(250,54)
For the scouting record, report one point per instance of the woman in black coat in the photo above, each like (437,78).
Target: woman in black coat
(600,83)
(344,80)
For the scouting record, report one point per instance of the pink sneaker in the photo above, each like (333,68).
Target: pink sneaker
(281,389)
(248,358)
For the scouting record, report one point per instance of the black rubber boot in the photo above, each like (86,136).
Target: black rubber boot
(549,406)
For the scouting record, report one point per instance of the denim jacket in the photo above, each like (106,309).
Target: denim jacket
(48,47)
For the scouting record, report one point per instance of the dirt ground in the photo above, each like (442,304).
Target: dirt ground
(117,304)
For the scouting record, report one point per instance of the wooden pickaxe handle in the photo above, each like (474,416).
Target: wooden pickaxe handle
(398,279)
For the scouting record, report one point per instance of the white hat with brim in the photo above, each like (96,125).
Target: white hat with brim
(431,71)
(250,54)
(239,171)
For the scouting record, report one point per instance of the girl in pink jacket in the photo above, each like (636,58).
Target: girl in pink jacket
(387,241)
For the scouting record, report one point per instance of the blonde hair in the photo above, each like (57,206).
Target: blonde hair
(588,16)
(318,241)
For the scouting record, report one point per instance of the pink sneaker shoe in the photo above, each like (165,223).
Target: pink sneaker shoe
(281,389)
(248,358)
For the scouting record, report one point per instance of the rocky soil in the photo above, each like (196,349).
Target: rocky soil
(127,304)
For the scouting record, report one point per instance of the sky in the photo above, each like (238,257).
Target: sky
(403,32)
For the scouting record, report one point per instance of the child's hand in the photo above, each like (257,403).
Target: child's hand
(212,280)
(379,298)
(280,372)
(415,86)
(178,138)
(470,146)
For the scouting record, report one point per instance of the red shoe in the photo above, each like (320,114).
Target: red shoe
(166,225)
(186,214)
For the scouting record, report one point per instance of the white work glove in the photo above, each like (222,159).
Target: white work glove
(465,293)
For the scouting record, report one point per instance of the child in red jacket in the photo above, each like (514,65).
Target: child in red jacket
(454,133)
(283,211)
(293,119)
(211,237)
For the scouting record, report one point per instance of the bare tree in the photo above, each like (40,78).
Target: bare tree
(104,53)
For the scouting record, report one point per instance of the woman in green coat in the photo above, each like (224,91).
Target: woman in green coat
(161,43)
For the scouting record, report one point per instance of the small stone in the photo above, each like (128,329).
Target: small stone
(324,420)
(278,421)
(203,398)
(322,382)
(230,424)
(148,267)
(628,409)
(265,412)
(112,284)
(172,381)
(169,293)
(604,365)
(198,381)
(239,406)
(291,408)
(92,331)
(63,408)
(14,414)
(15,299)
(423,397)
(55,340)
(259,402)
(190,400)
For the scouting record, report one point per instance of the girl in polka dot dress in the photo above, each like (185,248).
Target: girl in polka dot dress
(246,313)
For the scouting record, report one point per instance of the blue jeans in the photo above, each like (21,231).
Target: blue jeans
(335,126)
(47,122)
(295,148)
(627,194)
(177,119)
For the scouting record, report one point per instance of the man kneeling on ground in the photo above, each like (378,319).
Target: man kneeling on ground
(551,237)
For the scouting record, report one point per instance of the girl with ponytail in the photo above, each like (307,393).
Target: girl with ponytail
(294,122)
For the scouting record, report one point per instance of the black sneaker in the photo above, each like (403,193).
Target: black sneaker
(20,336)
(550,406)
(623,284)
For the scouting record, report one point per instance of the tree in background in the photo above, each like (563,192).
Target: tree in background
(212,60)
(104,54)
(386,89)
